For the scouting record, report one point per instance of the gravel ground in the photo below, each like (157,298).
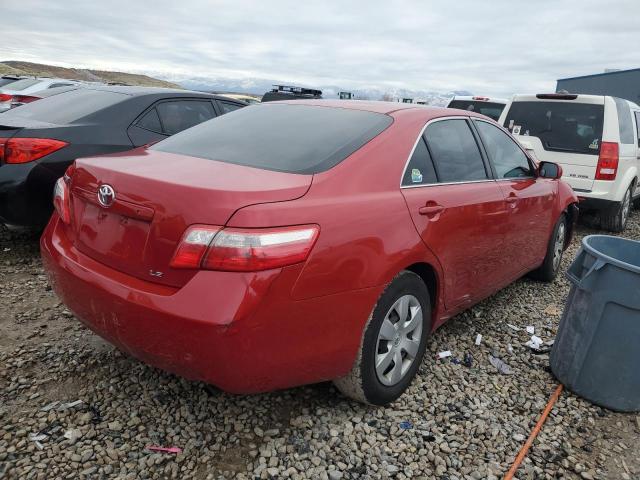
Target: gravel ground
(456,421)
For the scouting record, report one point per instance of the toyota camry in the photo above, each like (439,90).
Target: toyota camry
(297,242)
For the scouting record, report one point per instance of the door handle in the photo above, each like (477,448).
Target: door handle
(512,198)
(430,209)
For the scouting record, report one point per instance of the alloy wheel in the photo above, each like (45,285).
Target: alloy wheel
(398,340)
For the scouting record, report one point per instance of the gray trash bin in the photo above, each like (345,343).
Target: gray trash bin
(596,353)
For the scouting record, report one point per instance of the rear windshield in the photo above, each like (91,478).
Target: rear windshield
(66,107)
(6,81)
(285,138)
(560,126)
(490,109)
(22,84)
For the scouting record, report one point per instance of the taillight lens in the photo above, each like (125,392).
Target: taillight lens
(244,249)
(18,100)
(4,97)
(607,168)
(25,150)
(61,200)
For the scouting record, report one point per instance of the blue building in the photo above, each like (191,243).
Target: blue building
(617,83)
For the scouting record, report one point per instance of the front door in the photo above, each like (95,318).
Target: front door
(530,199)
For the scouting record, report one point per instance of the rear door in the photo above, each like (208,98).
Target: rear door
(564,129)
(530,199)
(458,209)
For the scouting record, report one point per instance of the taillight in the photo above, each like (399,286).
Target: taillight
(24,150)
(18,100)
(4,97)
(244,249)
(607,168)
(61,200)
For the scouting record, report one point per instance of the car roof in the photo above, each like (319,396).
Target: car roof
(365,105)
(579,98)
(480,98)
(135,91)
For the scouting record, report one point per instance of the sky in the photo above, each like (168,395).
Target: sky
(486,47)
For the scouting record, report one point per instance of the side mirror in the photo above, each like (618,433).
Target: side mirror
(550,170)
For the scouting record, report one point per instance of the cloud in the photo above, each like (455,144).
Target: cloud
(494,48)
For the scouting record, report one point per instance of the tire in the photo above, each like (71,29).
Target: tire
(615,220)
(381,386)
(550,267)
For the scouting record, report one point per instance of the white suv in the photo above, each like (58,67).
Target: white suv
(490,106)
(596,140)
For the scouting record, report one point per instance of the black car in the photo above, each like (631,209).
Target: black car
(38,141)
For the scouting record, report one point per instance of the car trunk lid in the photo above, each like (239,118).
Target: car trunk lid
(155,197)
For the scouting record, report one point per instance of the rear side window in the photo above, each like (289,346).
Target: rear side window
(624,121)
(282,137)
(150,121)
(182,114)
(67,107)
(227,107)
(420,169)
(507,158)
(24,83)
(454,151)
(490,109)
(561,126)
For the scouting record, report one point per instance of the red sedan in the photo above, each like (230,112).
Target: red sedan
(297,242)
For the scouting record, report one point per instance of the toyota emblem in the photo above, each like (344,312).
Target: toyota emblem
(106,195)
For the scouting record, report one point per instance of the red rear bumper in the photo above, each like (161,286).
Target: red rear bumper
(239,331)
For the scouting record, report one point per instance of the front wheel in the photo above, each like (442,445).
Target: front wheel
(393,343)
(550,267)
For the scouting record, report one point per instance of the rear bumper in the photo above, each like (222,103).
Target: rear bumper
(25,194)
(596,204)
(241,332)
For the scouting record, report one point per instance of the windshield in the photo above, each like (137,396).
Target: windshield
(66,107)
(281,137)
(490,109)
(560,126)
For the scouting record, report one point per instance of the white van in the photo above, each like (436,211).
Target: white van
(491,107)
(596,140)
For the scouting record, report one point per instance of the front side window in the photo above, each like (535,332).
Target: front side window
(420,169)
(507,158)
(561,126)
(454,151)
(179,115)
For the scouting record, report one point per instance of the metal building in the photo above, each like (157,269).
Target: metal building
(618,83)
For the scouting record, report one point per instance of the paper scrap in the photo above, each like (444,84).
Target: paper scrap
(445,354)
(155,448)
(531,329)
(478,339)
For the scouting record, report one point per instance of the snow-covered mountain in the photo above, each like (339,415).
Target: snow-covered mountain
(259,86)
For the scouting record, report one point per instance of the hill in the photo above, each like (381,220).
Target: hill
(42,70)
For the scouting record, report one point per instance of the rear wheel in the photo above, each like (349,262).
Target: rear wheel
(555,249)
(615,220)
(393,343)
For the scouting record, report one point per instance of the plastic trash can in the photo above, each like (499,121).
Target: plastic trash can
(596,353)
